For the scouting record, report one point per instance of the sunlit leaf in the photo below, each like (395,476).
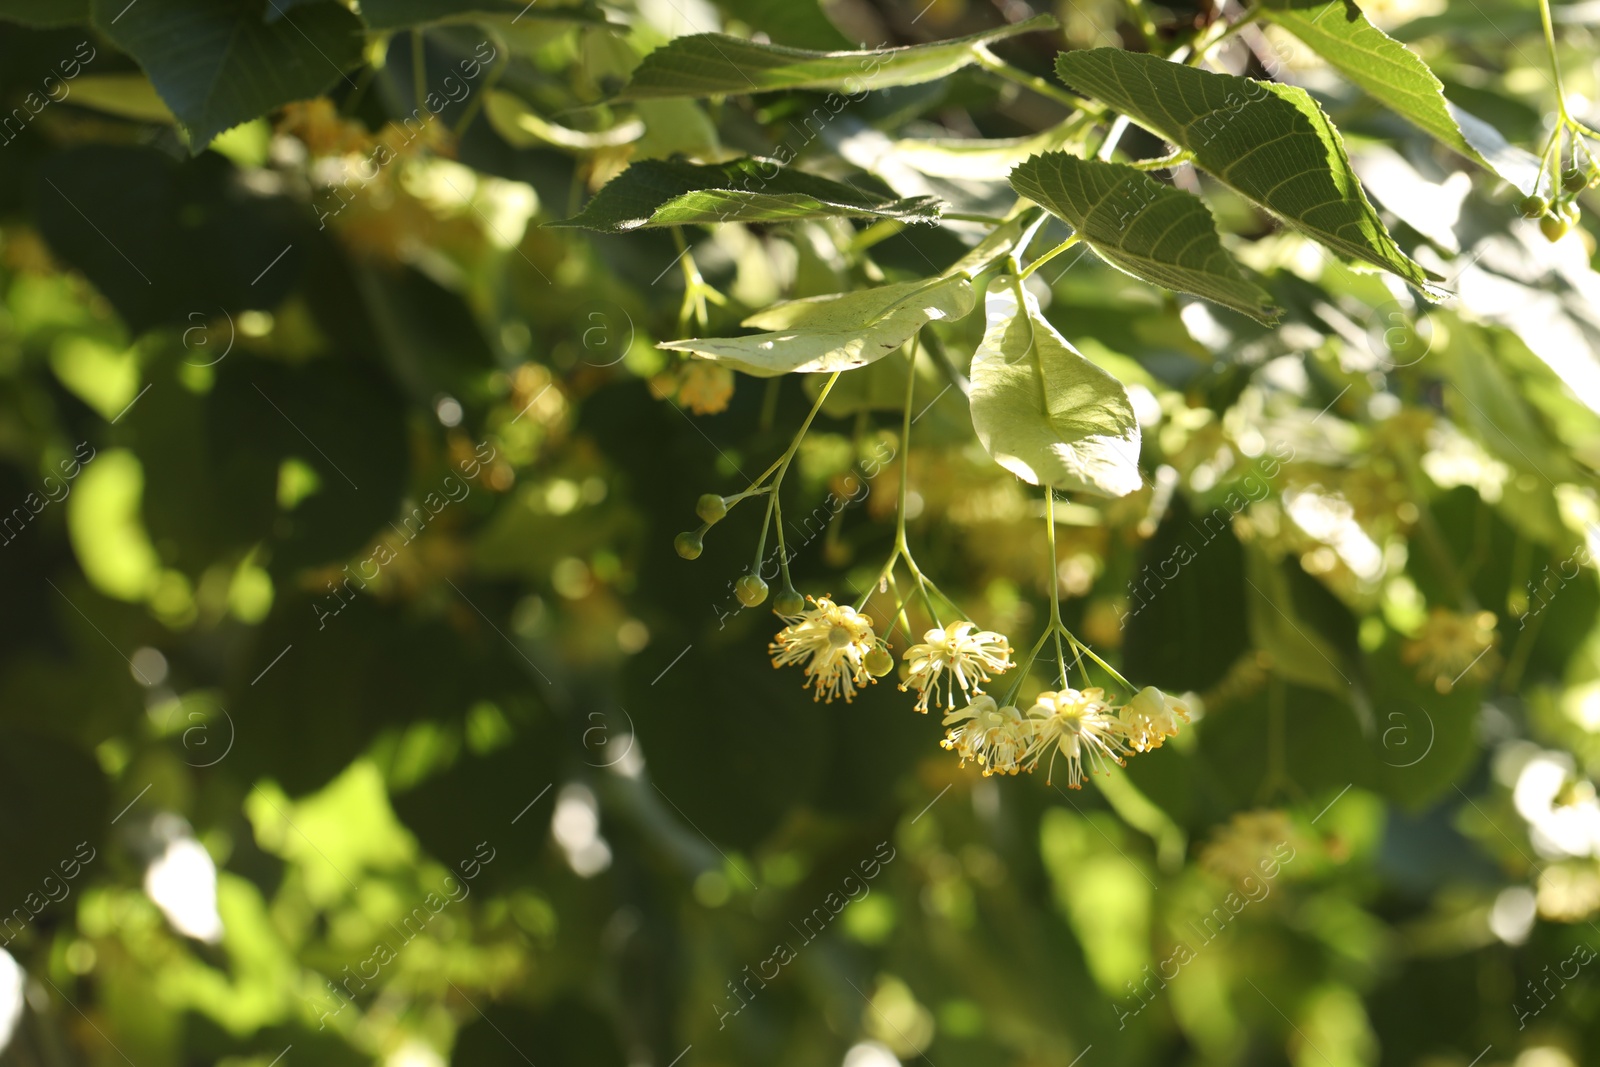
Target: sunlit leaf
(1142,226)
(836,332)
(671,193)
(219,64)
(1043,411)
(1270,142)
(1395,75)
(707,63)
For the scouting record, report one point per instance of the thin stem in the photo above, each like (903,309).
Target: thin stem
(1055,579)
(901,546)
(1555,65)
(1048,256)
(782,468)
(769,403)
(995,65)
(419,69)
(1108,668)
(475,105)
(1023,667)
(973,216)
(901,619)
(1167,162)
(1143,23)
(1020,249)
(1212,36)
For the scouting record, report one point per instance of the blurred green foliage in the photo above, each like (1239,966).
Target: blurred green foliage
(356,707)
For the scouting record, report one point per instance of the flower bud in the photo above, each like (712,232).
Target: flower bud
(711,508)
(788,604)
(878,662)
(689,544)
(1575,181)
(1531,207)
(1553,228)
(750,590)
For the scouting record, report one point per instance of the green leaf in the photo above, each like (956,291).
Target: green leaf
(45,13)
(709,63)
(836,332)
(217,64)
(669,193)
(401,14)
(1299,653)
(1390,72)
(794,22)
(1142,226)
(1270,142)
(976,159)
(1043,411)
(522,127)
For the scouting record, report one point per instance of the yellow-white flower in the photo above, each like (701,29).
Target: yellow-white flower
(1081,728)
(995,737)
(1151,717)
(960,657)
(832,640)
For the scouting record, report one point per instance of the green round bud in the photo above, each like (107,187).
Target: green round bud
(1575,181)
(750,590)
(1554,229)
(1570,211)
(711,508)
(1532,207)
(689,544)
(788,604)
(879,662)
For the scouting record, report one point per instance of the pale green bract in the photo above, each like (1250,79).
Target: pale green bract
(1043,411)
(838,332)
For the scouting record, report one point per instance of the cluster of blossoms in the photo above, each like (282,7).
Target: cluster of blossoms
(1081,727)
(842,654)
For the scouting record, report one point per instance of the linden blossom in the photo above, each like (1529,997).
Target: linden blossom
(783,953)
(1231,907)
